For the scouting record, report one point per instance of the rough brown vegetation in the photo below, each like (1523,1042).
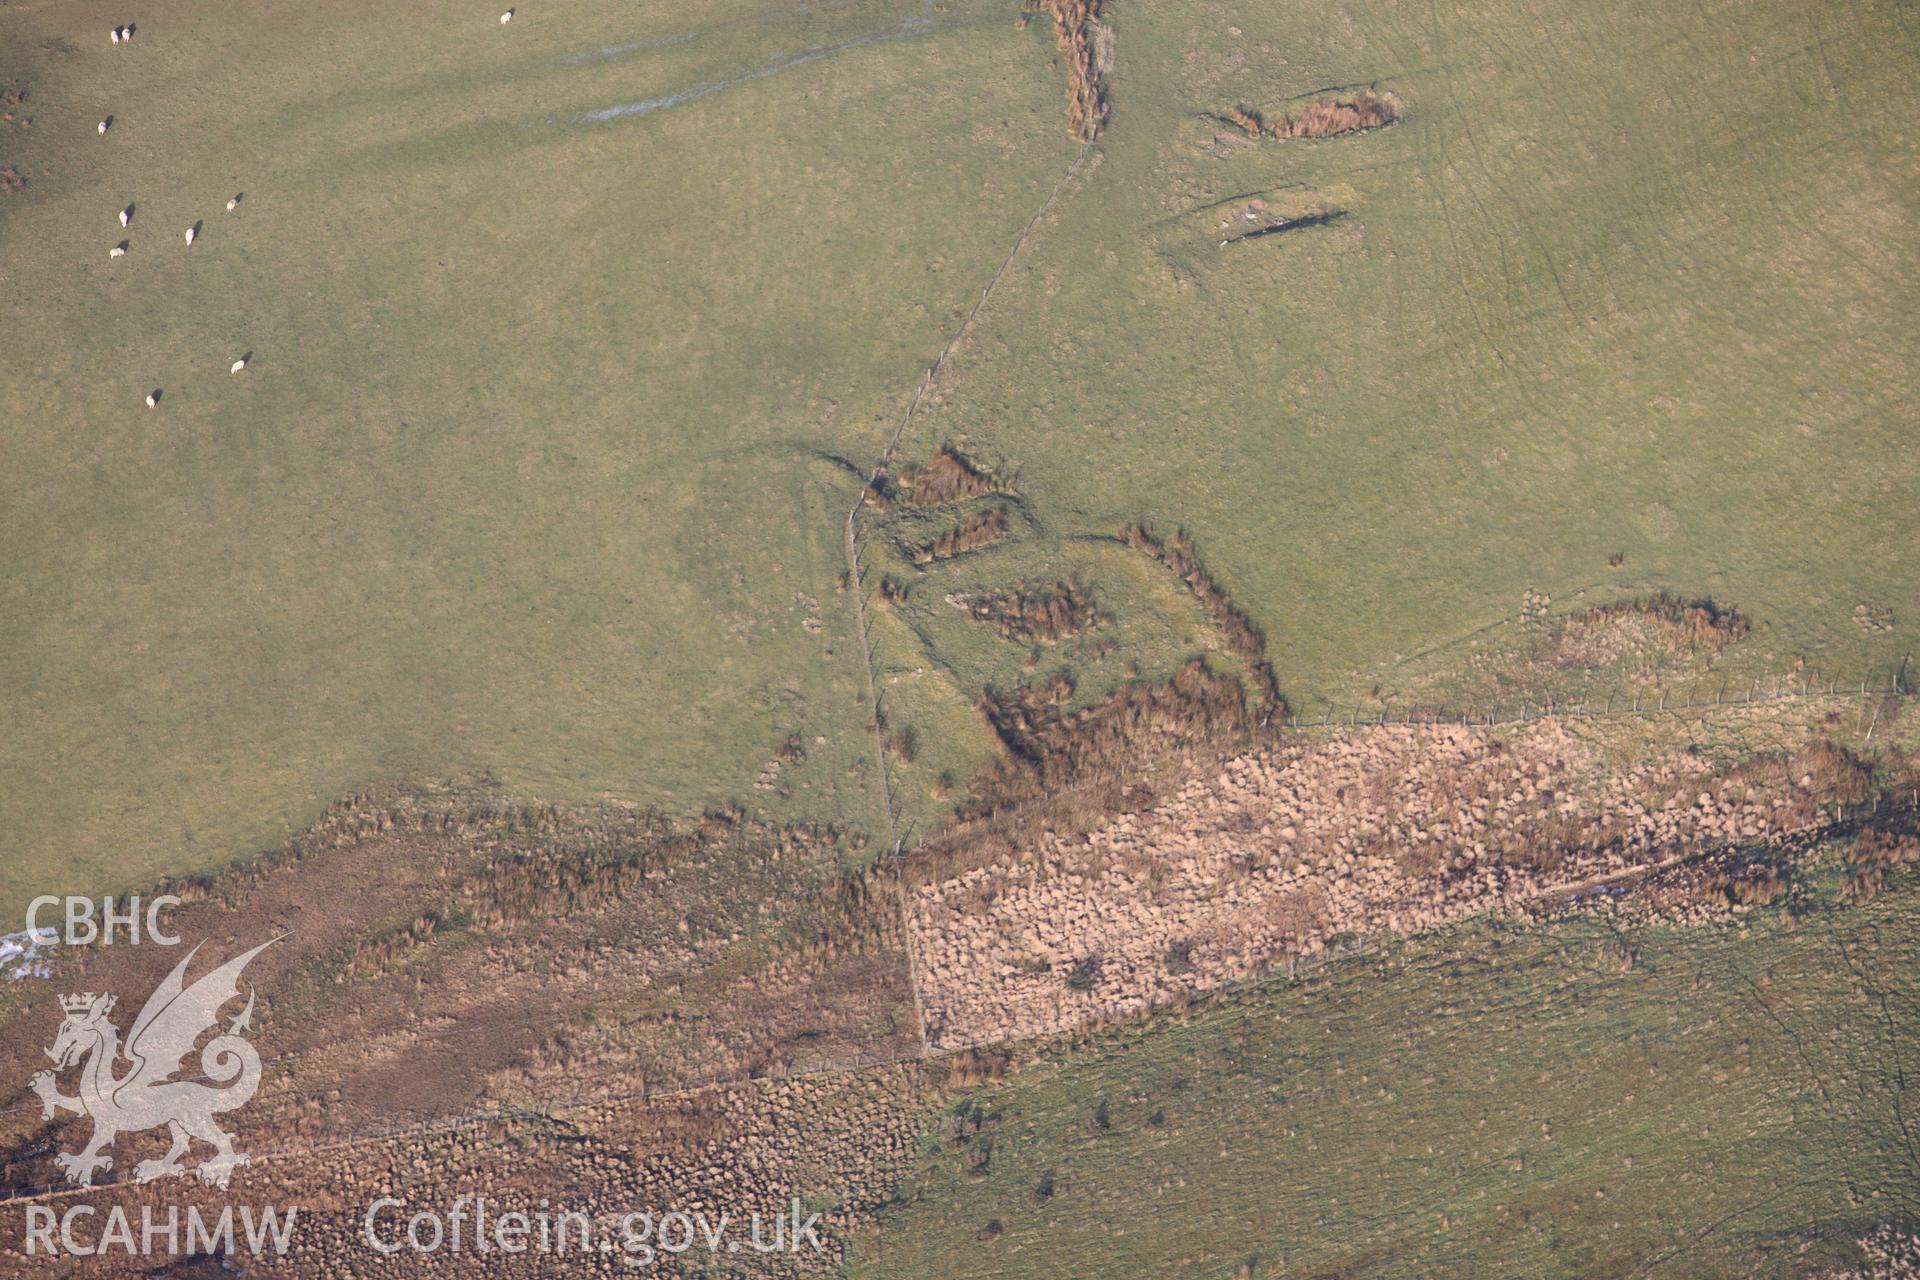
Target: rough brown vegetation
(1248,119)
(1280,853)
(1368,109)
(1887,1253)
(1043,611)
(1048,747)
(840,1144)
(982,528)
(1874,856)
(1244,639)
(1699,625)
(1079,36)
(485,952)
(948,476)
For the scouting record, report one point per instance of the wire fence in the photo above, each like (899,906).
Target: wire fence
(1696,694)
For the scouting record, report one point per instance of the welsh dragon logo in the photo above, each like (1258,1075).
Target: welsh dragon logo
(145,1095)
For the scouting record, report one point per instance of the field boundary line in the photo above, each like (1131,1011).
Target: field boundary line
(856,579)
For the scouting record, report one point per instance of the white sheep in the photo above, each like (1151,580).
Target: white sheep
(238,365)
(103,124)
(116,35)
(506,17)
(153,398)
(233,204)
(191,233)
(118,251)
(126,215)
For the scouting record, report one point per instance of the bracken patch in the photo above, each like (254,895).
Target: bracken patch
(1042,611)
(1048,747)
(1695,625)
(1084,46)
(983,528)
(948,476)
(1330,117)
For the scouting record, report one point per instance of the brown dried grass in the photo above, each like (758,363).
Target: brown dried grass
(1696,625)
(1079,42)
(1034,611)
(948,476)
(1329,117)
(983,528)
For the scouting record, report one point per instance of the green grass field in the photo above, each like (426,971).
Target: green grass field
(1626,278)
(539,466)
(1486,1102)
(570,339)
